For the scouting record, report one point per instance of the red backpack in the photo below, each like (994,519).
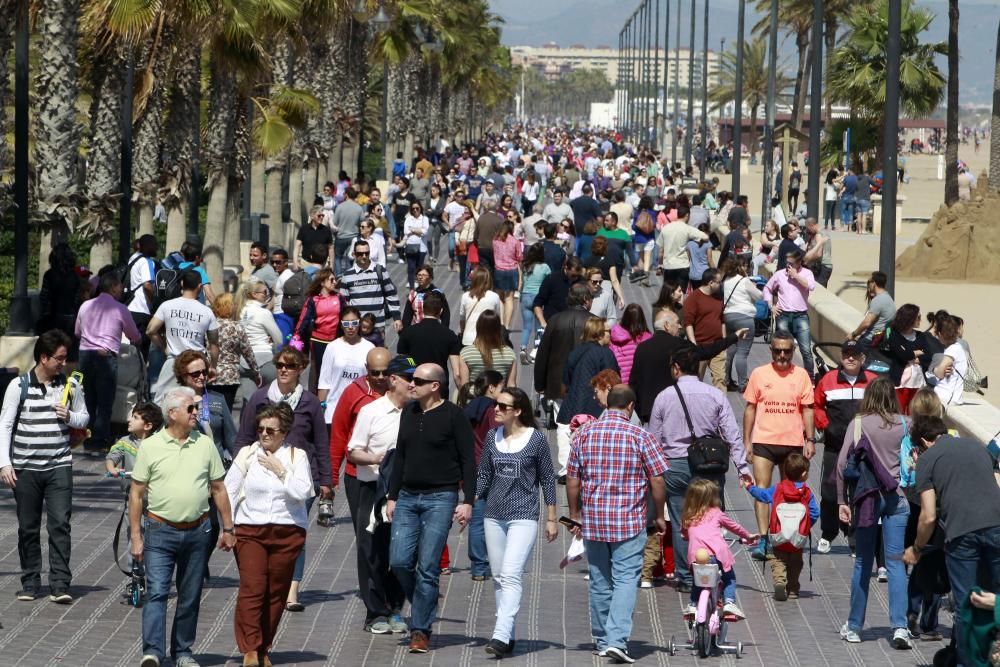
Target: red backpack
(788,528)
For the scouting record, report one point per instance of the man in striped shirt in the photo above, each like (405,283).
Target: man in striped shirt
(36,462)
(368,288)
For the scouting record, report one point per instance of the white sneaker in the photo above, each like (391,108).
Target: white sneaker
(883,575)
(823,546)
(690,610)
(149,660)
(849,636)
(645,584)
(901,639)
(731,609)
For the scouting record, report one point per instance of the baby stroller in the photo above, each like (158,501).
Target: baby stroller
(875,361)
(763,321)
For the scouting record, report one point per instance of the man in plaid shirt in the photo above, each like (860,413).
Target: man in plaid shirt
(612,465)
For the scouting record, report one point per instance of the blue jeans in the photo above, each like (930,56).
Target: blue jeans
(300,560)
(614,579)
(846,209)
(420,528)
(451,246)
(797,324)
(341,259)
(677,478)
(413,262)
(739,353)
(165,549)
(100,377)
(479,558)
(728,586)
(527,321)
(964,556)
(895,512)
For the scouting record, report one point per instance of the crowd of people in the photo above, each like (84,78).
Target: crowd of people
(322,374)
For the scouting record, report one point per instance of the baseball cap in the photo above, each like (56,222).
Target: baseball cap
(851,348)
(401,365)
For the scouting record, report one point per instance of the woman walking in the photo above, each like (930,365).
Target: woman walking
(830,199)
(488,351)
(626,336)
(233,344)
(878,423)
(261,329)
(309,433)
(343,363)
(507,277)
(319,321)
(534,270)
(415,229)
(268,486)
(435,216)
(907,352)
(739,298)
(475,302)
(511,517)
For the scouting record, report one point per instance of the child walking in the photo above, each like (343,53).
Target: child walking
(701,524)
(793,512)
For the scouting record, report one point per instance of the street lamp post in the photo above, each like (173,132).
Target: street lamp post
(815,104)
(667,130)
(772,69)
(704,98)
(738,102)
(654,79)
(689,130)
(677,82)
(887,244)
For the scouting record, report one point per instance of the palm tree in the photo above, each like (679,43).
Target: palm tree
(796,17)
(951,145)
(995,121)
(857,67)
(754,83)
(8,14)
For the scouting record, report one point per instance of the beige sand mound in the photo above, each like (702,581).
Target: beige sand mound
(960,243)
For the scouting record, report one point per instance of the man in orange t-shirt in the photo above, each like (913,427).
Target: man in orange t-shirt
(778,419)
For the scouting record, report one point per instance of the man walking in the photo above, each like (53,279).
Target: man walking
(881,311)
(36,462)
(819,252)
(369,288)
(347,220)
(260,264)
(100,324)
(175,471)
(374,434)
(703,315)
(434,458)
(709,413)
(141,276)
(430,341)
(611,466)
(778,419)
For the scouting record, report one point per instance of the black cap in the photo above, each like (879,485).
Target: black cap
(401,365)
(851,347)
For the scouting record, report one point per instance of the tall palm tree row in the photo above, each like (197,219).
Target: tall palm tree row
(274,88)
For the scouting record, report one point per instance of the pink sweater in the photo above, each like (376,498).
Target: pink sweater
(623,346)
(707,533)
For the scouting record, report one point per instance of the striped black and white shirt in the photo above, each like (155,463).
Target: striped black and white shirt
(371,291)
(40,440)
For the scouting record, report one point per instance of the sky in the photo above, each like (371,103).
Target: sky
(597,23)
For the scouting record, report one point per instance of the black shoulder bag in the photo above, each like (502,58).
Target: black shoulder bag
(707,455)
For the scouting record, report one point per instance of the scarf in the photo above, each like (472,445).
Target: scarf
(292,398)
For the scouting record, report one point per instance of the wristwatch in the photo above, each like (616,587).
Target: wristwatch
(231,530)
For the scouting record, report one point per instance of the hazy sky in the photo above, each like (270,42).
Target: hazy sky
(597,22)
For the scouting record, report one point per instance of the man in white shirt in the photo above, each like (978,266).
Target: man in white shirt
(558,210)
(674,237)
(182,324)
(141,274)
(375,433)
(279,262)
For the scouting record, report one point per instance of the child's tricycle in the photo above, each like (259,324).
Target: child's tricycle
(709,622)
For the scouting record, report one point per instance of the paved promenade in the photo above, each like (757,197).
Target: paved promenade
(553,626)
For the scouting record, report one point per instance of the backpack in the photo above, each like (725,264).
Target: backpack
(789,525)
(124,275)
(907,459)
(10,375)
(294,294)
(645,223)
(167,279)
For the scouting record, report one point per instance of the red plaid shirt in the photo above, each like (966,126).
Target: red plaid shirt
(613,459)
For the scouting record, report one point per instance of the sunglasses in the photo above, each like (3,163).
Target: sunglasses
(595,282)
(198,374)
(503,407)
(282,366)
(350,324)
(268,430)
(361,254)
(780,351)
(420,382)
(275,262)
(191,408)
(378,373)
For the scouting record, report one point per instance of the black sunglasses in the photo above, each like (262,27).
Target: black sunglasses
(282,366)
(198,374)
(778,350)
(378,374)
(420,382)
(267,429)
(361,254)
(504,406)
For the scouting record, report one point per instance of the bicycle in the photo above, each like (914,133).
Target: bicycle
(709,624)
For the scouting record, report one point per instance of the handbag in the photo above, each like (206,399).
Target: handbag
(707,455)
(412,248)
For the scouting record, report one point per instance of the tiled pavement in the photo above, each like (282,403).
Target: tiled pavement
(553,626)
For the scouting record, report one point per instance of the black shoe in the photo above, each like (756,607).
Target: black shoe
(562,480)
(732,386)
(497,648)
(60,596)
(27,594)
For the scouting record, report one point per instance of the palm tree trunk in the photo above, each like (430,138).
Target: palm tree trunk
(995,122)
(217,151)
(294,199)
(804,48)
(215,226)
(151,101)
(951,147)
(257,175)
(753,131)
(273,198)
(183,122)
(232,254)
(8,12)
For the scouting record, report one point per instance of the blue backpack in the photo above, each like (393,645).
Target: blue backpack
(907,459)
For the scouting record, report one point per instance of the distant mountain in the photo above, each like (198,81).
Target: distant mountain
(597,23)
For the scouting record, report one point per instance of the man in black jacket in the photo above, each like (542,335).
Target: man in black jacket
(430,341)
(552,293)
(585,208)
(562,335)
(434,459)
(651,364)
